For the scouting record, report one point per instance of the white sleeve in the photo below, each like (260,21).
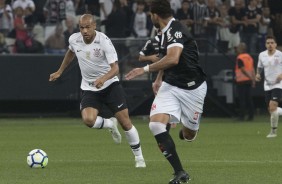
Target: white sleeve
(109,49)
(70,44)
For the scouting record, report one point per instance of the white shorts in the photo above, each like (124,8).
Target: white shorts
(185,105)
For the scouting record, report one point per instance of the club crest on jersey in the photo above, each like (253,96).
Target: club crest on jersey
(169,37)
(97,52)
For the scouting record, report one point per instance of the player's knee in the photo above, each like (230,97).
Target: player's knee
(157,127)
(88,121)
(189,136)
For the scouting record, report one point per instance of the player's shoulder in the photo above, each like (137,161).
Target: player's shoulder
(101,36)
(75,37)
(263,53)
(278,52)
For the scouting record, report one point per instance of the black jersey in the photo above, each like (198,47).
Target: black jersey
(151,47)
(187,74)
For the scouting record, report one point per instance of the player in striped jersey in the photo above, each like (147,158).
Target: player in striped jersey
(182,84)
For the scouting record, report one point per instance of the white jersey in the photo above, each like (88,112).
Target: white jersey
(272,66)
(94,59)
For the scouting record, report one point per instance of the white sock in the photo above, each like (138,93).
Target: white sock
(102,123)
(132,137)
(279,110)
(274,117)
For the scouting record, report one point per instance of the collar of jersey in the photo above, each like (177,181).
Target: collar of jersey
(167,26)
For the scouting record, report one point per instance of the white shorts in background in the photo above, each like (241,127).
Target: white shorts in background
(185,105)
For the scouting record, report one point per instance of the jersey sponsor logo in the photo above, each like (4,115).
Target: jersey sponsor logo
(78,50)
(97,52)
(191,83)
(178,34)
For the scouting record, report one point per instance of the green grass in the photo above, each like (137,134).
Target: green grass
(225,152)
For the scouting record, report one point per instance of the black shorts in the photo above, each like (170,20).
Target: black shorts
(107,101)
(274,95)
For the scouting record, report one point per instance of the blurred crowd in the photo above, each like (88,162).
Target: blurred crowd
(33,26)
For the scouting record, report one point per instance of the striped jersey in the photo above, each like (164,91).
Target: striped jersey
(94,59)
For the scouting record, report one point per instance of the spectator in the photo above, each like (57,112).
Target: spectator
(70,9)
(106,7)
(276,16)
(223,30)
(139,21)
(38,32)
(199,12)
(116,27)
(6,18)
(3,45)
(28,6)
(71,28)
(129,13)
(184,14)
(116,22)
(55,12)
(55,43)
(79,6)
(213,20)
(93,7)
(250,29)
(264,28)
(175,5)
(236,14)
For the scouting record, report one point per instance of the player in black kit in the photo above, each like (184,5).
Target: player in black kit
(181,82)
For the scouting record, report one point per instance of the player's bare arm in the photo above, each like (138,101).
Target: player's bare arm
(69,56)
(258,77)
(171,59)
(153,58)
(279,78)
(158,82)
(113,72)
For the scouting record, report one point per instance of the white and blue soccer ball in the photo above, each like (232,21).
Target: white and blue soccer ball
(37,158)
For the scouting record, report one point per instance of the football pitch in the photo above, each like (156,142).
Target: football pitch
(225,152)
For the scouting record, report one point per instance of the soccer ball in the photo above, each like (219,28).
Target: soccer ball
(37,158)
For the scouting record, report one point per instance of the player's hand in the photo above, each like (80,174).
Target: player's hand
(134,73)
(99,82)
(154,58)
(55,76)
(156,86)
(279,78)
(258,77)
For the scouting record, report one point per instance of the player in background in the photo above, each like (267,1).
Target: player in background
(97,59)
(182,85)
(270,61)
